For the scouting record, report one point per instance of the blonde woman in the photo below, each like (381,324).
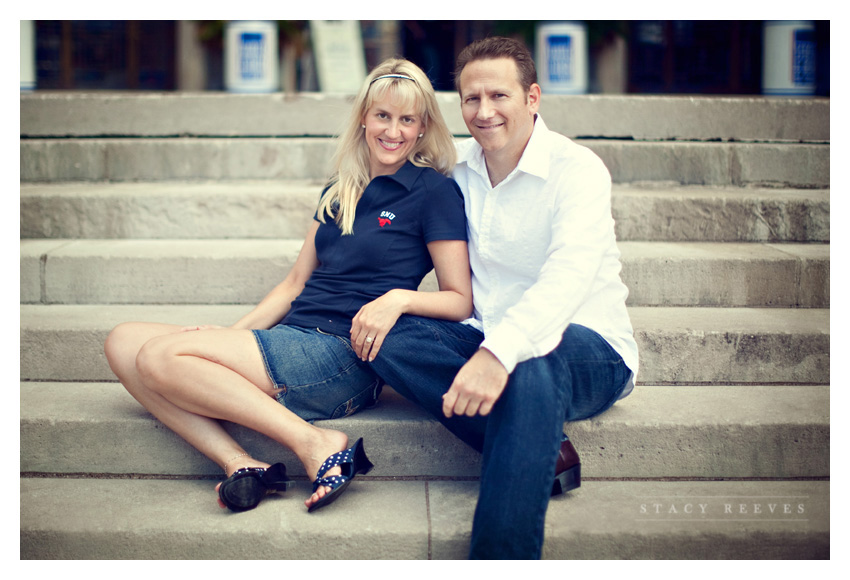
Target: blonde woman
(388,216)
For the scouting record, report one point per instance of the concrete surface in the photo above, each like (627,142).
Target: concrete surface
(282,209)
(729,425)
(616,116)
(157,159)
(740,431)
(155,519)
(728,274)
(187,271)
(732,345)
(182,209)
(162,271)
(684,345)
(655,212)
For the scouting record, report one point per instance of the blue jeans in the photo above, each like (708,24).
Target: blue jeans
(520,439)
(318,374)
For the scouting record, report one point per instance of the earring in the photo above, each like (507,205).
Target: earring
(421,135)
(362,126)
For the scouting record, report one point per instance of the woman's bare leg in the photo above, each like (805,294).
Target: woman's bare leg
(204,434)
(190,380)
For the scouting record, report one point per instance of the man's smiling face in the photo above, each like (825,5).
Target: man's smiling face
(497,111)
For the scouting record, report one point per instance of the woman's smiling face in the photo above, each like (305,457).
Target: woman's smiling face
(391,134)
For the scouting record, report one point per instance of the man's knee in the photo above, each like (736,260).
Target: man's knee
(409,334)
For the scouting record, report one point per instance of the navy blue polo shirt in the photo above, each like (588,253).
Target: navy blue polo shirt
(396,217)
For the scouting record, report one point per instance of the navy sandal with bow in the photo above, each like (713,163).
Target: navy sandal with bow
(352,461)
(246,487)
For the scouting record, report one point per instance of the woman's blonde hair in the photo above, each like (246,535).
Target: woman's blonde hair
(351,162)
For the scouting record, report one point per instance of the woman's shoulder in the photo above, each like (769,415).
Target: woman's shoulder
(435,179)
(438,192)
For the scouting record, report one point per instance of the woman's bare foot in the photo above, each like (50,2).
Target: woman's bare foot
(326,444)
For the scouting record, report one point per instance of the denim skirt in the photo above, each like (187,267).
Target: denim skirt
(318,374)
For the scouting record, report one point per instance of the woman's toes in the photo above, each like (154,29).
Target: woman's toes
(218,497)
(313,498)
(319,494)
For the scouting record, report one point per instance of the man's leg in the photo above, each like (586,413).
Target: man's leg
(420,358)
(577,380)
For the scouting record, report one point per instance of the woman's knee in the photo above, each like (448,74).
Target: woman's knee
(152,362)
(121,347)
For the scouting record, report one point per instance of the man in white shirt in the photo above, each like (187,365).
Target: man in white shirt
(557,341)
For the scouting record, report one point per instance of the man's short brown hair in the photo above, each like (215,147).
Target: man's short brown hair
(499,47)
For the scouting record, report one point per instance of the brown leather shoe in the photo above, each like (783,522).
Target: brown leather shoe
(567,469)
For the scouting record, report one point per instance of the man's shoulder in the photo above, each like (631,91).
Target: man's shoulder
(562,146)
(568,155)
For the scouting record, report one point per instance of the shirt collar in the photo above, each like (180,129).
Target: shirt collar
(406,175)
(471,153)
(534,160)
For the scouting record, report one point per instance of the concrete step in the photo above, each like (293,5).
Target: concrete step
(698,118)
(154,271)
(777,431)
(156,159)
(243,271)
(163,519)
(726,274)
(653,212)
(283,209)
(684,345)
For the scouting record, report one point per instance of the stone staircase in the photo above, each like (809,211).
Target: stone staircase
(188,208)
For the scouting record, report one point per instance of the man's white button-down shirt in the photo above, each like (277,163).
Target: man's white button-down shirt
(543,250)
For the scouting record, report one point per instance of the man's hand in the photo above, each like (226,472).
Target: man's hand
(477,386)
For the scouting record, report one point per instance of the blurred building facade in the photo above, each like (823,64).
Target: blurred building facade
(624,57)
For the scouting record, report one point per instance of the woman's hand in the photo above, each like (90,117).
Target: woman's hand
(373,322)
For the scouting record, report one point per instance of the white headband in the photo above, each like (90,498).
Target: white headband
(392,76)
